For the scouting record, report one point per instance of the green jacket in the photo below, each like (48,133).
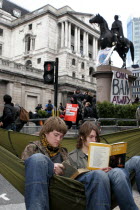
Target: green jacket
(78,159)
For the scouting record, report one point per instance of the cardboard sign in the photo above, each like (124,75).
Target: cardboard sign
(71,112)
(120,90)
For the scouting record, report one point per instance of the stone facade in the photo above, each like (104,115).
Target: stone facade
(44,35)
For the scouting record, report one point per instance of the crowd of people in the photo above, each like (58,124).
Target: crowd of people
(86,107)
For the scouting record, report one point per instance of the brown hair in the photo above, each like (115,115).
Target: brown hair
(53,123)
(84,132)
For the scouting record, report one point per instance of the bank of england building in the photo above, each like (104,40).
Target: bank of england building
(28,39)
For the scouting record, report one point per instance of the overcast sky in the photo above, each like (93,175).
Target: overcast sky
(106,8)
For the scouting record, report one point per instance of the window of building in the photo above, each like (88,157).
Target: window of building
(73,75)
(73,61)
(72,48)
(39,60)
(82,65)
(90,41)
(81,37)
(91,70)
(72,32)
(28,63)
(30,26)
(1,32)
(1,1)
(0,49)
(17,13)
(29,43)
(83,76)
(90,55)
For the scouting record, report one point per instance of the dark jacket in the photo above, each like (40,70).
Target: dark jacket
(8,116)
(88,112)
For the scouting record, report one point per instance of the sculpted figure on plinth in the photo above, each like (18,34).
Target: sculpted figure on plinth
(114,37)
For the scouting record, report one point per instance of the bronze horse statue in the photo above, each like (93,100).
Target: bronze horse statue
(106,40)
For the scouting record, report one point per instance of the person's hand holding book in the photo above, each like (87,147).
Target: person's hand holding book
(58,168)
(106,169)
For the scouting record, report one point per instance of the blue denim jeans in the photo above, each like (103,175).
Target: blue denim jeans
(38,171)
(121,187)
(97,190)
(12,126)
(134,165)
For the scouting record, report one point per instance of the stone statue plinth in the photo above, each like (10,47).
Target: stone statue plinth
(104,79)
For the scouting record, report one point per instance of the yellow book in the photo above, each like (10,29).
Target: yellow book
(102,155)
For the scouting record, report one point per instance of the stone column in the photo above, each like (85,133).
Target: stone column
(69,42)
(62,34)
(78,41)
(66,33)
(87,44)
(93,49)
(96,48)
(75,39)
(10,87)
(84,44)
(23,96)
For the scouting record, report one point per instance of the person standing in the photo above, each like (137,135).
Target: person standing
(7,120)
(88,112)
(19,124)
(49,108)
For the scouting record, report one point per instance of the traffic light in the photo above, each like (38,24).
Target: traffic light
(49,72)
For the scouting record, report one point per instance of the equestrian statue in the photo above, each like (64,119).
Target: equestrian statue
(114,37)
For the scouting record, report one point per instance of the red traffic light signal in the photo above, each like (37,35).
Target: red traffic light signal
(49,72)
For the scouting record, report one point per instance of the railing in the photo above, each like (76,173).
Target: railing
(116,120)
(114,127)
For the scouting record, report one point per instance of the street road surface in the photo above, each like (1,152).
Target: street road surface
(10,198)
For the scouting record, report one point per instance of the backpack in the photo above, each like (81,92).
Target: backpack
(89,112)
(49,107)
(24,115)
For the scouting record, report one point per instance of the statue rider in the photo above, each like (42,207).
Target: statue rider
(117,30)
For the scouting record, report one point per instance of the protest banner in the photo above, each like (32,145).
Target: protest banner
(120,90)
(104,56)
(71,112)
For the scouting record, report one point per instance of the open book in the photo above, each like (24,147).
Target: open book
(103,155)
(72,172)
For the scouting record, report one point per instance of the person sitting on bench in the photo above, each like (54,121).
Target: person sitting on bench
(119,178)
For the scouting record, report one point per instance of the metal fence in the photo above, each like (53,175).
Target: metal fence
(34,125)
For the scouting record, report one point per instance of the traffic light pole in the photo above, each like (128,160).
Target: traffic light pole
(56,85)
